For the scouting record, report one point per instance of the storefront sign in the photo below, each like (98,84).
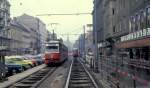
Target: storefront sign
(136,35)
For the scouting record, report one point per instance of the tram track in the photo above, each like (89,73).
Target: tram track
(35,79)
(79,76)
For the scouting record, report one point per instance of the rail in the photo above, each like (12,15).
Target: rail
(79,76)
(34,80)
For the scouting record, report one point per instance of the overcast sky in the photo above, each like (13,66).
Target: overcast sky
(67,24)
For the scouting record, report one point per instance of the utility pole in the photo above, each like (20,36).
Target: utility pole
(68,42)
(95,44)
(53,34)
(79,47)
(84,43)
(96,51)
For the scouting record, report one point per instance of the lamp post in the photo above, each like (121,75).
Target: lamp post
(95,41)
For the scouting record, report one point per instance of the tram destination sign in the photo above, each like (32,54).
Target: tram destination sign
(136,35)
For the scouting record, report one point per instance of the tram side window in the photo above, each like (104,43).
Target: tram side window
(148,17)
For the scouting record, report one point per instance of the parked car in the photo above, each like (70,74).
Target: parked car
(39,59)
(13,67)
(3,68)
(30,59)
(19,60)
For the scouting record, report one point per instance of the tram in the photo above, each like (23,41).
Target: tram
(75,53)
(56,52)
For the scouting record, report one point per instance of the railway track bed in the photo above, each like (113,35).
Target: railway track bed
(79,77)
(34,80)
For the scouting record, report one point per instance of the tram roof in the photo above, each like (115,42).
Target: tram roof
(55,41)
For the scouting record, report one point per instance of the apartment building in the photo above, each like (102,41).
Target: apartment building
(4,27)
(20,38)
(38,32)
(126,50)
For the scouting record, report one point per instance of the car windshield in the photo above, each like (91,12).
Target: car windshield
(16,59)
(25,58)
(8,61)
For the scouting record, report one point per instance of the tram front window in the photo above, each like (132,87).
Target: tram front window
(52,48)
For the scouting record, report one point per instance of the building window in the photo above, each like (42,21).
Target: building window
(148,17)
(143,19)
(132,23)
(114,29)
(139,21)
(136,22)
(113,11)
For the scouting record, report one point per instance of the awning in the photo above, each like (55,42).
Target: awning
(134,43)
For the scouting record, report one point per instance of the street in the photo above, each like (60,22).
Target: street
(74,43)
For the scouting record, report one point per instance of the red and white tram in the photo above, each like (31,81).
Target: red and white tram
(56,52)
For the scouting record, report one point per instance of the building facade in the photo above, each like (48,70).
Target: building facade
(20,38)
(4,27)
(38,32)
(126,47)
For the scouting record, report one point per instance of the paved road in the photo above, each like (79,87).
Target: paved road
(57,79)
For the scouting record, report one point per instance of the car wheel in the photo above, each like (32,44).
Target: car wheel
(24,68)
(30,65)
(2,77)
(10,73)
(35,64)
(18,70)
(14,71)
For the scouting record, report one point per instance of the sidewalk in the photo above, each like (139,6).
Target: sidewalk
(15,78)
(97,76)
